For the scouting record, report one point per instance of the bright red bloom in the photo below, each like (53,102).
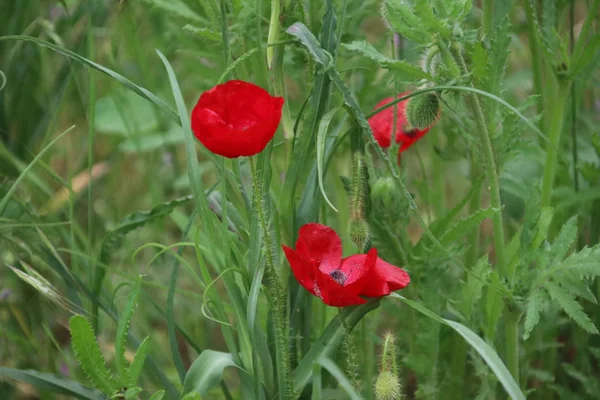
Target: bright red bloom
(236,118)
(383,122)
(318,265)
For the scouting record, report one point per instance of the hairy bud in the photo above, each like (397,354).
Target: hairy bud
(423,110)
(358,230)
(387,387)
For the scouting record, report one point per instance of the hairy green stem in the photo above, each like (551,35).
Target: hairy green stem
(491,171)
(511,333)
(276,292)
(536,53)
(556,113)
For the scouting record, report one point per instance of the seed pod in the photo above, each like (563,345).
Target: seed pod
(423,110)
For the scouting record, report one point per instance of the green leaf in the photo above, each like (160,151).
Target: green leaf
(535,305)
(88,354)
(13,188)
(478,344)
(158,395)
(565,239)
(321,136)
(430,20)
(135,369)
(571,307)
(402,19)
(406,69)
(124,113)
(51,383)
(192,396)
(132,393)
(140,91)
(206,372)
(338,374)
(465,225)
(329,342)
(178,8)
(205,33)
(123,330)
(114,237)
(152,142)
(586,262)
(473,290)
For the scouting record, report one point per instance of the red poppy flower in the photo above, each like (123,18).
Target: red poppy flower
(318,266)
(236,118)
(383,122)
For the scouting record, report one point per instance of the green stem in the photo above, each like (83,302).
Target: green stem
(490,168)
(557,115)
(274,29)
(488,15)
(536,53)
(276,292)
(511,326)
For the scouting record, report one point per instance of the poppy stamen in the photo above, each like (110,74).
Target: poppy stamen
(339,277)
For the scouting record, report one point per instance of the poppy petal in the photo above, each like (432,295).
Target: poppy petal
(236,118)
(303,269)
(335,295)
(385,278)
(322,244)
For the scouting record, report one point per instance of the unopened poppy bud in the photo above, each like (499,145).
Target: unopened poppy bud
(389,203)
(423,110)
(359,232)
(387,387)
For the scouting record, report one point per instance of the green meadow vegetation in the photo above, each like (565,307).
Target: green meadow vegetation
(409,208)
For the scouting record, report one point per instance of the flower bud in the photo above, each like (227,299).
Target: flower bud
(389,203)
(387,387)
(423,110)
(358,230)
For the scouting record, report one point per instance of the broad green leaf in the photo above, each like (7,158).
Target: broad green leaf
(88,354)
(329,341)
(535,305)
(118,77)
(123,330)
(206,372)
(478,344)
(124,113)
(406,69)
(339,376)
(51,383)
(571,307)
(137,365)
(321,136)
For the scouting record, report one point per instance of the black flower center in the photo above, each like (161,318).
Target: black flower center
(339,277)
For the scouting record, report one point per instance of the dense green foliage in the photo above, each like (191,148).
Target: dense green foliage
(135,263)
